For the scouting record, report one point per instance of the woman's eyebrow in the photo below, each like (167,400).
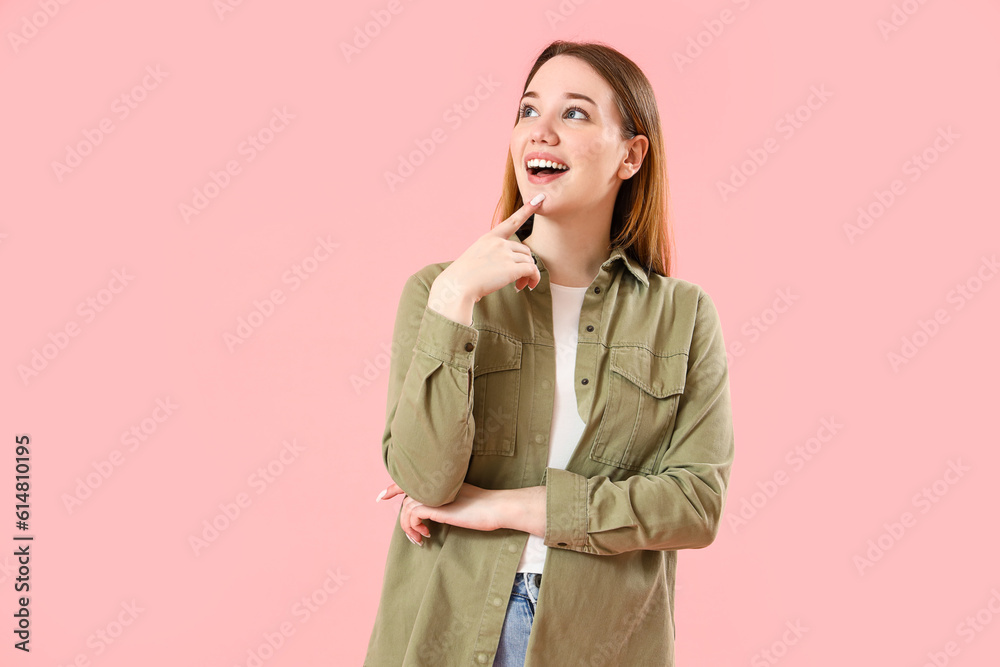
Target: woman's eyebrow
(570,96)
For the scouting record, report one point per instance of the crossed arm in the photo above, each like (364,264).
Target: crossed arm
(428,420)
(477,508)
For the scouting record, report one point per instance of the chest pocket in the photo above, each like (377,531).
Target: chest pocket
(643,392)
(496,385)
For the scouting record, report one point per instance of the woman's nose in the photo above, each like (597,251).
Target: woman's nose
(542,130)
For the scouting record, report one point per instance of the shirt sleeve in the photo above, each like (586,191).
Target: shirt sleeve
(429,427)
(681,506)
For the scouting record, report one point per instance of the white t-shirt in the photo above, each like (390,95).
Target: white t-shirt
(567,426)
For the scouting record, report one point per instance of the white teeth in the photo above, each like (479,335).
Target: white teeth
(542,164)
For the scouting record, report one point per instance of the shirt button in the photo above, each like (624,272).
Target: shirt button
(512,548)
(482,658)
(590,327)
(562,544)
(497,602)
(469,347)
(539,437)
(584,381)
(546,384)
(597,290)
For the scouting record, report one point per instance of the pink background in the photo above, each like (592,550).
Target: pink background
(313,372)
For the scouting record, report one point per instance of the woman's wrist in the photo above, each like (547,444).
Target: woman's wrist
(448,299)
(523,509)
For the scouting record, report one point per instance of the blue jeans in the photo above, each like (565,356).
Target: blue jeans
(517,623)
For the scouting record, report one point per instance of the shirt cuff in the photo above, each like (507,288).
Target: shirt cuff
(566,518)
(445,339)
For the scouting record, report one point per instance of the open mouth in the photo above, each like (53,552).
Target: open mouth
(545,171)
(541,175)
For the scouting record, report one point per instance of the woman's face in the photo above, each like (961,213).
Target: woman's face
(580,133)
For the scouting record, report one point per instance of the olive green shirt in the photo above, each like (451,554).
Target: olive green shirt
(474,403)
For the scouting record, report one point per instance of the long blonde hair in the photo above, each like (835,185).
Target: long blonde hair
(639,223)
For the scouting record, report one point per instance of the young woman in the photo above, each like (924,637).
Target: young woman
(577,432)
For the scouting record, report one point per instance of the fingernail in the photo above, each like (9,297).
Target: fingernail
(412,540)
(537,198)
(382,495)
(517,289)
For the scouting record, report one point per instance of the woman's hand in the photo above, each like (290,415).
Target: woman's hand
(490,263)
(474,507)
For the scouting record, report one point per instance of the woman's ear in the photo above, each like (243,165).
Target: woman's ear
(637,147)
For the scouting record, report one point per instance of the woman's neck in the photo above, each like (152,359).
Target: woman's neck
(572,258)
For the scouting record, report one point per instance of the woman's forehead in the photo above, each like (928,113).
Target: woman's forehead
(567,74)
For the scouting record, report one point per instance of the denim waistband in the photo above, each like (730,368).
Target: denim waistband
(528,583)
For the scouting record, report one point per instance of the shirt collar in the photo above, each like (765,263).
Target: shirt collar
(617,253)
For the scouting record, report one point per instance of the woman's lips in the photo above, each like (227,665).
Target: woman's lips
(542,179)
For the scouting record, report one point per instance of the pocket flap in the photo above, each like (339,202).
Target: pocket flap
(496,352)
(659,376)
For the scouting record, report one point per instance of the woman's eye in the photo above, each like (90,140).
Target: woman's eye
(523,111)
